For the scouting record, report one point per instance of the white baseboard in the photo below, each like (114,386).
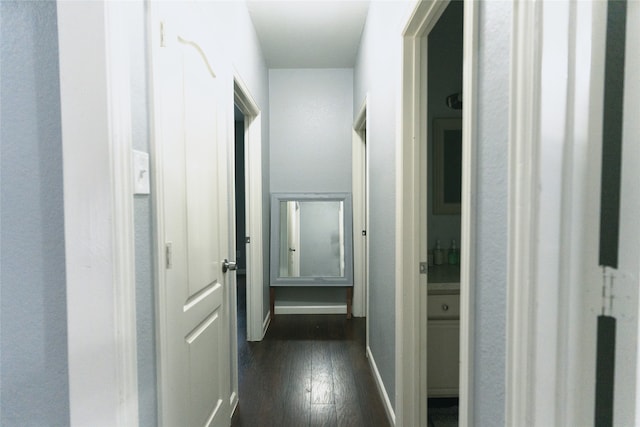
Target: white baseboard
(265,324)
(233,400)
(311,309)
(383,392)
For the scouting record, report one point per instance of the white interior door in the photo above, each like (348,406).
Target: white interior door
(193,231)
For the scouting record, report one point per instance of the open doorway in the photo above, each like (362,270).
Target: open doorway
(248,188)
(247,320)
(442,70)
(360,215)
(240,219)
(414,305)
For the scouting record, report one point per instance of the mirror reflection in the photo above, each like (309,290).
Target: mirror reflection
(312,238)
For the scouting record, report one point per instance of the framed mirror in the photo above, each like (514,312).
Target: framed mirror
(311,239)
(447,166)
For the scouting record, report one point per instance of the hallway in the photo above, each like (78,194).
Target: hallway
(309,370)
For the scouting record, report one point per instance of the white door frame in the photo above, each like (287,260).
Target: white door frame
(554,174)
(256,323)
(411,293)
(253,225)
(360,180)
(98,207)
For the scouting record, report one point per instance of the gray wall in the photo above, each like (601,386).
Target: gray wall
(142,205)
(311,118)
(33,344)
(491,215)
(310,137)
(377,73)
(445,78)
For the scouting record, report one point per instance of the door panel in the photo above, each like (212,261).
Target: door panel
(201,181)
(194,324)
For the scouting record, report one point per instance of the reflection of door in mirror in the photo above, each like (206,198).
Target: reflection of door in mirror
(312,238)
(290,238)
(341,238)
(293,238)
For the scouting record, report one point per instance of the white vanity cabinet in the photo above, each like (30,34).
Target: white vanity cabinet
(443,334)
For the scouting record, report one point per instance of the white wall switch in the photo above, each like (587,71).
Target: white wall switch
(141,172)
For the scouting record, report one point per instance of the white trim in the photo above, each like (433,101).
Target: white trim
(253,174)
(411,295)
(360,200)
(554,175)
(265,323)
(631,132)
(98,188)
(124,252)
(388,408)
(524,127)
(233,400)
(469,203)
(253,226)
(410,332)
(157,185)
(311,309)
(580,271)
(424,180)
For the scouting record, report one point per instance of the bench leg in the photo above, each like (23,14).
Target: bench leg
(272,301)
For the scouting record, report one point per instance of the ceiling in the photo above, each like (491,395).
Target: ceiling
(309,33)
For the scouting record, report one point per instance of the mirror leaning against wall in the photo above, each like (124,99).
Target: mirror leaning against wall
(311,239)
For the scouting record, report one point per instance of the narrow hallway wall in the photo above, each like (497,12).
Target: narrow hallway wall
(377,76)
(33,309)
(311,117)
(494,65)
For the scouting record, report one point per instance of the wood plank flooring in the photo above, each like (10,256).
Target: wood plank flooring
(310,370)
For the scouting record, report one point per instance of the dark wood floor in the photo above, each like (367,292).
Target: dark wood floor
(310,370)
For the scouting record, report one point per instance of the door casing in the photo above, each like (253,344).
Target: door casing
(256,323)
(98,210)
(411,215)
(360,213)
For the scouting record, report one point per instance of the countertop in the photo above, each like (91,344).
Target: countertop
(443,278)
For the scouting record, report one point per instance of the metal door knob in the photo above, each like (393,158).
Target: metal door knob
(229,265)
(445,307)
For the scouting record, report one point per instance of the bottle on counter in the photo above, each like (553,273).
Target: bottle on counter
(438,254)
(454,254)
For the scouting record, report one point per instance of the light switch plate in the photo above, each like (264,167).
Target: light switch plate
(141,172)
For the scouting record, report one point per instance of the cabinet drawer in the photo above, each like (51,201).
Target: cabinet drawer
(443,307)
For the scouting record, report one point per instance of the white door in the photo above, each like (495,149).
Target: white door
(193,231)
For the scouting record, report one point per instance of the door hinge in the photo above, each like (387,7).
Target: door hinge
(168,253)
(162,43)
(247,239)
(364,233)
